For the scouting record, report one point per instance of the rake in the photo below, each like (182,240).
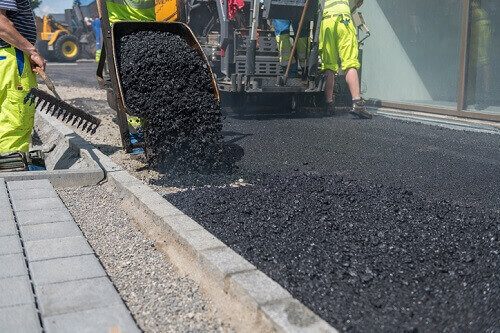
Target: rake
(56,107)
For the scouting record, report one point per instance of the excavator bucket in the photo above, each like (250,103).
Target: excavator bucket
(121,29)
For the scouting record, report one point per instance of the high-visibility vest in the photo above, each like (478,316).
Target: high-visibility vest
(336,7)
(142,10)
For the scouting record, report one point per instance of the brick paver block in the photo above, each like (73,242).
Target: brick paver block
(20,319)
(7,224)
(28,184)
(3,189)
(10,245)
(95,320)
(34,193)
(4,199)
(12,265)
(75,296)
(65,269)
(57,248)
(43,216)
(15,291)
(49,230)
(37,204)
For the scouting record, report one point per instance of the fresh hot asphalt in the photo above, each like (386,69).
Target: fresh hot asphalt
(442,170)
(438,162)
(377,226)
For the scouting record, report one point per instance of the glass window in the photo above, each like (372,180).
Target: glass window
(483,68)
(413,54)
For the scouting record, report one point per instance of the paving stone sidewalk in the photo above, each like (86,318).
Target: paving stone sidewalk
(50,278)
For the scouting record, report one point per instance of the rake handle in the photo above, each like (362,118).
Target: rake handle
(48,82)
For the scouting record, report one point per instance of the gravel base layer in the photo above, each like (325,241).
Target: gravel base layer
(159,298)
(365,258)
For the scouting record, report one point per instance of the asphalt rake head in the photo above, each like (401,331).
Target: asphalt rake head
(60,109)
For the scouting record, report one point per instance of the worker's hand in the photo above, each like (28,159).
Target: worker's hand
(37,61)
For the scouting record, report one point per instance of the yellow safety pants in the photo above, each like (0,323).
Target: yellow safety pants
(16,118)
(285,44)
(338,43)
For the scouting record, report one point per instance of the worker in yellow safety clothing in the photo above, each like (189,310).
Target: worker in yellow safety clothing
(338,46)
(18,60)
(282,30)
(479,86)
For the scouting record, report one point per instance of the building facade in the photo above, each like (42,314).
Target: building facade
(440,56)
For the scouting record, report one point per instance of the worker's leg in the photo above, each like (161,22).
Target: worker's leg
(329,86)
(302,43)
(347,43)
(329,60)
(282,32)
(352,79)
(302,51)
(16,118)
(284,48)
(483,64)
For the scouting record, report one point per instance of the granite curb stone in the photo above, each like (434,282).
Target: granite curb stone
(231,272)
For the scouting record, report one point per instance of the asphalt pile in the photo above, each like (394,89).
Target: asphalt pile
(168,84)
(364,257)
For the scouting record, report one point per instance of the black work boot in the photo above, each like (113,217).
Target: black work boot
(330,109)
(359,109)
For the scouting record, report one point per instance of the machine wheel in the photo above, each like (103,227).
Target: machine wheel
(67,48)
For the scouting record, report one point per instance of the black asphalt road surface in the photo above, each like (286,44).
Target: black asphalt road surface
(378,225)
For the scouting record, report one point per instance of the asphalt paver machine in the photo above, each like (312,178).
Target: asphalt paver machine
(244,54)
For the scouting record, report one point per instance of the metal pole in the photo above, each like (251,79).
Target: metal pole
(295,42)
(312,67)
(252,44)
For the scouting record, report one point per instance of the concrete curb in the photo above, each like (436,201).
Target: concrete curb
(251,300)
(269,306)
(450,122)
(69,147)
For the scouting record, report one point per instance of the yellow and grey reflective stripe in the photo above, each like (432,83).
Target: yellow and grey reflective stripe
(135,4)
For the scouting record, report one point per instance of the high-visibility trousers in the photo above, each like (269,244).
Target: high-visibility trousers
(285,43)
(338,43)
(16,118)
